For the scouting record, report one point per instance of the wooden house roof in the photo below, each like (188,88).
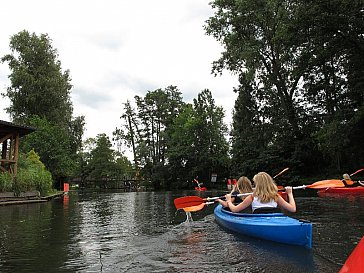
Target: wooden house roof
(9,127)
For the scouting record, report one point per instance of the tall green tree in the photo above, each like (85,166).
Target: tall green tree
(52,144)
(39,95)
(298,57)
(198,145)
(38,84)
(334,85)
(146,129)
(211,147)
(102,161)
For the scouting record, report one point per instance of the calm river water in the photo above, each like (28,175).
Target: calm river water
(142,232)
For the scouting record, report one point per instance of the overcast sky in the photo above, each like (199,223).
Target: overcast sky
(116,49)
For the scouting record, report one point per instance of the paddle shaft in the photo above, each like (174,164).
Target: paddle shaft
(278,174)
(358,171)
(190,201)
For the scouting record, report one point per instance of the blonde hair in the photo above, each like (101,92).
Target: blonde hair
(265,188)
(346,176)
(244,185)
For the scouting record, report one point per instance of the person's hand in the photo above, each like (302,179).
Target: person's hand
(288,190)
(228,197)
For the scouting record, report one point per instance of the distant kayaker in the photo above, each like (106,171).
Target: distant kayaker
(265,197)
(350,183)
(198,183)
(244,185)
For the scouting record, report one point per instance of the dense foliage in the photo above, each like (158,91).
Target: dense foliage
(40,96)
(101,163)
(32,176)
(173,141)
(301,67)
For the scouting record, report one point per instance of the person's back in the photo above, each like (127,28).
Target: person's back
(265,194)
(242,186)
(347,181)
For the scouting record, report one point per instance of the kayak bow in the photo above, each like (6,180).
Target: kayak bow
(355,262)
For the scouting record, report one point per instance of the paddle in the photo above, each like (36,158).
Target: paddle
(330,183)
(195,201)
(192,201)
(323,185)
(358,171)
(278,174)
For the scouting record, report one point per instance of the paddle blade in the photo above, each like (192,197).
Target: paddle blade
(331,183)
(187,201)
(194,208)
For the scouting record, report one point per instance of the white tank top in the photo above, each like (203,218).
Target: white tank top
(256,204)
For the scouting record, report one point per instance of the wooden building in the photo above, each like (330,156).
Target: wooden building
(10,135)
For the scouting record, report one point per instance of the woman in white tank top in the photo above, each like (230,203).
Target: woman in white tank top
(265,195)
(256,204)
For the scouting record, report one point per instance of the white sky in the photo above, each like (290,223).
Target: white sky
(116,49)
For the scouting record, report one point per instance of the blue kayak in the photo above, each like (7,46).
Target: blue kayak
(275,227)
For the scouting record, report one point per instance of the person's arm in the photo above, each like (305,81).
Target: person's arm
(345,182)
(224,202)
(246,203)
(291,204)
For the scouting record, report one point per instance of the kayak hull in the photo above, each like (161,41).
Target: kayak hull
(333,192)
(200,188)
(275,227)
(355,262)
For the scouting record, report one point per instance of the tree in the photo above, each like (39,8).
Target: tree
(303,62)
(211,147)
(40,96)
(197,144)
(51,142)
(146,129)
(38,85)
(101,162)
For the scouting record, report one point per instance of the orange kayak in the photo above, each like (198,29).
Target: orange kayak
(355,262)
(334,192)
(200,188)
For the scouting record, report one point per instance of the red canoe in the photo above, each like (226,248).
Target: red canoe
(332,192)
(355,262)
(200,188)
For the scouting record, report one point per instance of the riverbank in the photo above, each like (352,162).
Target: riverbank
(9,198)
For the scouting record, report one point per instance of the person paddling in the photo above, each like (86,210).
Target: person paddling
(198,183)
(265,198)
(244,185)
(350,183)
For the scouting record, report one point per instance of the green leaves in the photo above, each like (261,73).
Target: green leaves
(173,141)
(38,85)
(40,96)
(301,66)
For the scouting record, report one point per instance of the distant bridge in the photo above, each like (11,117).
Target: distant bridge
(110,183)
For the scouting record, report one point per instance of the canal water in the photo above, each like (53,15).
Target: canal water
(142,232)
